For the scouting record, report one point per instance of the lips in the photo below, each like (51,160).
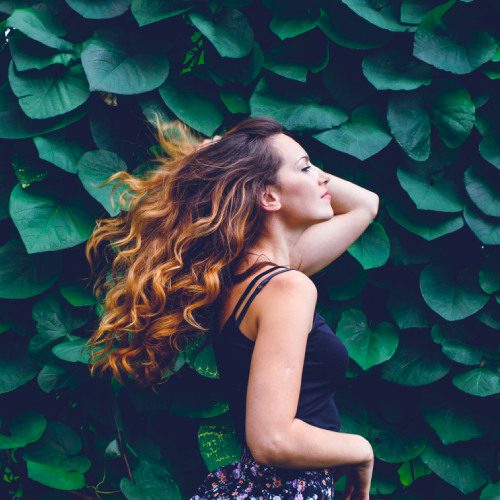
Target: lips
(324,194)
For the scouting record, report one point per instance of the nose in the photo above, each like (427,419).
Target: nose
(323,177)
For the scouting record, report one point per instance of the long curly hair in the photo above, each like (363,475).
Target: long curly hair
(162,264)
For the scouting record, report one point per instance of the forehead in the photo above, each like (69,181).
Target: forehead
(289,149)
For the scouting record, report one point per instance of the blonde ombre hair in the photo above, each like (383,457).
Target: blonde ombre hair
(167,259)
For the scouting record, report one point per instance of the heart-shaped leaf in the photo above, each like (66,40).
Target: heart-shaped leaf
(368,346)
(452,293)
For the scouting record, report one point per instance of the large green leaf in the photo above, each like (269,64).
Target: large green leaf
(430,189)
(426,224)
(486,228)
(447,48)
(123,63)
(193,103)
(347,29)
(151,482)
(47,222)
(362,136)
(52,460)
(40,25)
(14,124)
(151,11)
(368,346)
(55,477)
(452,293)
(99,9)
(459,465)
(28,54)
(453,114)
(16,366)
(397,444)
(56,148)
(292,107)
(453,422)
(93,168)
(414,365)
(372,248)
(479,382)
(219,445)
(25,428)
(482,184)
(23,275)
(49,95)
(72,351)
(410,124)
(228,30)
(392,69)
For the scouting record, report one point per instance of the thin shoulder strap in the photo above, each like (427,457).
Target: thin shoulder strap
(258,288)
(250,285)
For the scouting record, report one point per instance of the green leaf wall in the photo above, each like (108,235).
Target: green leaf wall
(399,96)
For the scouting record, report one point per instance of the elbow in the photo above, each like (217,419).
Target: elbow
(269,453)
(374,205)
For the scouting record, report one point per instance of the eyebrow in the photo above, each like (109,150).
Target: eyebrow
(302,157)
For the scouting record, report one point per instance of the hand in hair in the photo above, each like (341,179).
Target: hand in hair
(208,141)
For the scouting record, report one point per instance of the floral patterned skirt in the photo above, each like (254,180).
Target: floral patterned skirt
(249,480)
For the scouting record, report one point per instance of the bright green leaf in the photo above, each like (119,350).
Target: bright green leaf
(362,136)
(46,222)
(49,95)
(228,30)
(123,63)
(372,248)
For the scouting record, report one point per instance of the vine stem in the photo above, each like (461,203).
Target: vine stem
(120,439)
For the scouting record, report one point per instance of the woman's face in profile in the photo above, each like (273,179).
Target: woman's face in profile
(301,185)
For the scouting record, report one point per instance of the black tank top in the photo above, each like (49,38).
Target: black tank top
(325,363)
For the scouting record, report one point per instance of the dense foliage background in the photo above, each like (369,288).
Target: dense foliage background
(400,96)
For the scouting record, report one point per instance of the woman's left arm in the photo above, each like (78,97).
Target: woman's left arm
(346,196)
(354,208)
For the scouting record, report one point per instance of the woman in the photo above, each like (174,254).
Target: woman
(200,232)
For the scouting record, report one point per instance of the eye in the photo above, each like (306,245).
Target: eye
(307,168)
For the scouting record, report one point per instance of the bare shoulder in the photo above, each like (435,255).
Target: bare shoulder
(286,293)
(292,281)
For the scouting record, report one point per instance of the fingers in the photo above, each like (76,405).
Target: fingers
(209,140)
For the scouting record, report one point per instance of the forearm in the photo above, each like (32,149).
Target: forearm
(305,446)
(346,196)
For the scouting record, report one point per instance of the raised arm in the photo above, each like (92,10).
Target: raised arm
(285,313)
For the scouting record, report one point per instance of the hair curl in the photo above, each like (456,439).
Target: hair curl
(174,249)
